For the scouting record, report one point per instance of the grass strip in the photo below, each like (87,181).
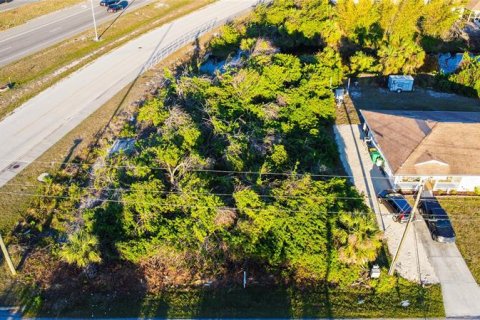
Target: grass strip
(464,213)
(15,17)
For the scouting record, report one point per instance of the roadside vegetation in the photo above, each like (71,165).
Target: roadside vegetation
(35,73)
(232,172)
(29,11)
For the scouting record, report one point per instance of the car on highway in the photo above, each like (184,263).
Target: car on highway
(107,3)
(437,220)
(397,204)
(117,6)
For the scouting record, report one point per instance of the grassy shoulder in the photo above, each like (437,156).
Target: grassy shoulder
(39,71)
(268,302)
(465,215)
(22,14)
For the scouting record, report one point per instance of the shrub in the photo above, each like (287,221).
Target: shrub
(477,191)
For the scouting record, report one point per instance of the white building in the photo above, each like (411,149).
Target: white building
(441,146)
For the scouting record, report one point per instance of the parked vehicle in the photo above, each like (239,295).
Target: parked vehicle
(106,3)
(396,203)
(400,83)
(117,6)
(437,220)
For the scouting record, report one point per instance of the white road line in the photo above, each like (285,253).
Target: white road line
(55,29)
(5,49)
(43,26)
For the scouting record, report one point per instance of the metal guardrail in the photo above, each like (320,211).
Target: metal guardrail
(191,36)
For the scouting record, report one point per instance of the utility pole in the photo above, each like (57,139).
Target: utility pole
(7,256)
(412,214)
(94,21)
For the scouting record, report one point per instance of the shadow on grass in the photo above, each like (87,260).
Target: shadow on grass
(124,10)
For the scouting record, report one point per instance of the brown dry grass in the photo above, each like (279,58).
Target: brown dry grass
(35,73)
(20,15)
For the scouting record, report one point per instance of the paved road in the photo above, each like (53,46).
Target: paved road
(40,33)
(39,123)
(6,5)
(421,257)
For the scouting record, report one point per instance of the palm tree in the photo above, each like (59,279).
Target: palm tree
(81,249)
(361,239)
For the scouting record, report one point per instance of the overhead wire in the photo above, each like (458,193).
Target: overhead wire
(193,170)
(93,189)
(169,206)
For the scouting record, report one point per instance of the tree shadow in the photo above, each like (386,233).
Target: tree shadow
(101,132)
(76,143)
(118,17)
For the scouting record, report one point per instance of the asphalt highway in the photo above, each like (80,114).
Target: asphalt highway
(6,5)
(43,120)
(47,30)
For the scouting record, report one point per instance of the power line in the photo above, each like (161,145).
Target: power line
(173,205)
(169,206)
(202,193)
(193,170)
(363,197)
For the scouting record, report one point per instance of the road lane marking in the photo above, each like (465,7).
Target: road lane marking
(5,49)
(98,10)
(42,26)
(55,29)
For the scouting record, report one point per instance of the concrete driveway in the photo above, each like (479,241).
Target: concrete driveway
(421,258)
(461,293)
(412,262)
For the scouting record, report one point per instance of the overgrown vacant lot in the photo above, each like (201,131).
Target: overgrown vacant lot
(232,171)
(15,17)
(465,216)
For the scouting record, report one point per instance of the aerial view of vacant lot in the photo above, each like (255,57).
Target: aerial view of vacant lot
(239,159)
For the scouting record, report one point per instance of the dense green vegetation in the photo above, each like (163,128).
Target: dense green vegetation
(269,117)
(465,81)
(235,171)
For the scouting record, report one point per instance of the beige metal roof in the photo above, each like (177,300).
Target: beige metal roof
(427,142)
(473,5)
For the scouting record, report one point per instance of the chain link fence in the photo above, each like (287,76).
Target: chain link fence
(191,36)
